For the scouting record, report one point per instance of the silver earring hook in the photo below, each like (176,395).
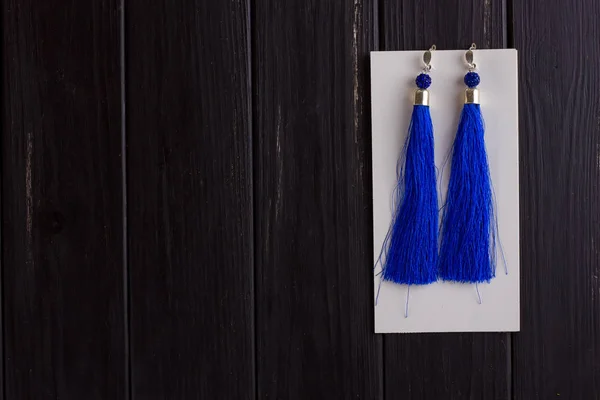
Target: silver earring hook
(427,59)
(469,57)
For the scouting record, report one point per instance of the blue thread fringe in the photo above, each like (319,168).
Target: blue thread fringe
(468,248)
(411,244)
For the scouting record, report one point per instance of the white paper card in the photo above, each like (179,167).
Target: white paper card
(444,306)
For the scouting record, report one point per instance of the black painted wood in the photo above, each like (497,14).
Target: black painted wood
(445,366)
(62,252)
(313,222)
(190,211)
(248,167)
(452,24)
(556,354)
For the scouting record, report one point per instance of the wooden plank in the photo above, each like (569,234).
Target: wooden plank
(314,304)
(190,200)
(62,201)
(556,354)
(454,24)
(445,366)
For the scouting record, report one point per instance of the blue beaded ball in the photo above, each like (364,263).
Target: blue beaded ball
(472,79)
(423,81)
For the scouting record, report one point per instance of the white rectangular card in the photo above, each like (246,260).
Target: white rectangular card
(444,306)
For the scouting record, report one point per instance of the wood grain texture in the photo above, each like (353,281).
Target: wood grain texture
(62,201)
(557,353)
(445,366)
(189,175)
(248,212)
(314,301)
(451,24)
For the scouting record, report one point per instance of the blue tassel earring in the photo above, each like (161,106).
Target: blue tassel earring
(468,247)
(409,253)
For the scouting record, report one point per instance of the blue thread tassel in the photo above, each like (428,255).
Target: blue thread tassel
(411,243)
(468,248)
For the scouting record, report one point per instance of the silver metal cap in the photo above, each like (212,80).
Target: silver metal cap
(421,97)
(472,96)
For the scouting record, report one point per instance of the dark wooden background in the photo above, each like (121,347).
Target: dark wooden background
(186,201)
